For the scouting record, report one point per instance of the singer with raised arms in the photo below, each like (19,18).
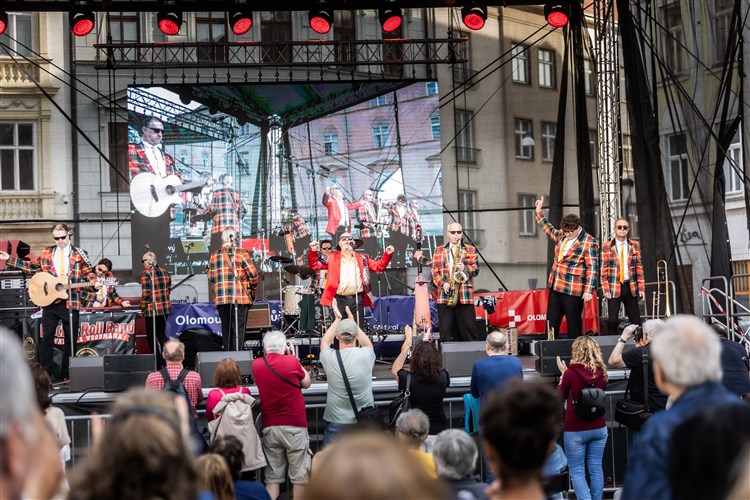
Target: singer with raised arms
(454,266)
(60,260)
(233,277)
(155,304)
(348,279)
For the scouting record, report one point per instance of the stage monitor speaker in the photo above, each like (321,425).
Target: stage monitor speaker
(552,348)
(122,381)
(259,316)
(129,363)
(86,373)
(206,362)
(459,357)
(547,367)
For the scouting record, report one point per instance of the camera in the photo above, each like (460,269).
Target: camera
(638,334)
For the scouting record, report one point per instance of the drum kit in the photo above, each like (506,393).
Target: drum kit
(291,296)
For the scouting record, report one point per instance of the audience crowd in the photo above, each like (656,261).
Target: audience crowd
(696,445)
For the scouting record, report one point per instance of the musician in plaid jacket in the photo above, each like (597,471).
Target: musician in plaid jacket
(106,295)
(156,285)
(455,323)
(399,213)
(367,213)
(622,276)
(228,210)
(59,260)
(575,268)
(233,277)
(148,155)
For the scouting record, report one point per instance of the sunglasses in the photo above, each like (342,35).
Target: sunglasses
(60,238)
(156,130)
(455,232)
(622,227)
(325,248)
(345,238)
(144,260)
(102,270)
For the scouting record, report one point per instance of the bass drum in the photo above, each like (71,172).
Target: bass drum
(292,298)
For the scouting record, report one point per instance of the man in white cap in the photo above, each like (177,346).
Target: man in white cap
(358,362)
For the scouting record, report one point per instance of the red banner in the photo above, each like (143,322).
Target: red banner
(526,310)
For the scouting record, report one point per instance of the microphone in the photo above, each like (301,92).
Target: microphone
(231,239)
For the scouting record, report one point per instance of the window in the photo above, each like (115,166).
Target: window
(431,88)
(17,156)
(672,37)
(118,154)
(331,144)
(594,147)
(344,33)
(124,29)
(589,84)
(467,200)
(465,136)
(211,27)
(722,16)
(381,136)
(378,101)
(678,168)
(527,223)
(546,68)
(549,131)
(435,125)
(524,151)
(461,70)
(520,57)
(733,169)
(18,34)
(276,27)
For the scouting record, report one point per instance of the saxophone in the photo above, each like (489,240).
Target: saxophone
(457,277)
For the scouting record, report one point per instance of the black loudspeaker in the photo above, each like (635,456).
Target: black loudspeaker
(86,373)
(123,371)
(459,357)
(552,348)
(607,344)
(547,367)
(615,456)
(198,340)
(259,316)
(206,362)
(481,329)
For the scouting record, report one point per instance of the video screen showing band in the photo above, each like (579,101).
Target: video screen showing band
(283,164)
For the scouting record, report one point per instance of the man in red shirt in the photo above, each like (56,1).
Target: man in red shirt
(280,379)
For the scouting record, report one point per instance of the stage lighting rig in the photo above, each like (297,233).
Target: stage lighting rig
(81,19)
(321,20)
(241,21)
(474,16)
(169,19)
(557,13)
(390,18)
(3,21)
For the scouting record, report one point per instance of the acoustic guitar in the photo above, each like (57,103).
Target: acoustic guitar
(45,288)
(152,195)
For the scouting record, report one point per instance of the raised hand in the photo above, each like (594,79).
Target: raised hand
(539,204)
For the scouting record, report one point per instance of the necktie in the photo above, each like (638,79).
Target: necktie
(561,253)
(61,264)
(622,263)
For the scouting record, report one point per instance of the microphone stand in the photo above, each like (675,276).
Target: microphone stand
(234,298)
(73,334)
(153,312)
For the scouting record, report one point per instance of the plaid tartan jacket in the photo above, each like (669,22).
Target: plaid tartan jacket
(578,270)
(611,268)
(227,290)
(441,272)
(161,288)
(88,296)
(80,271)
(297,226)
(224,205)
(399,223)
(367,213)
(138,161)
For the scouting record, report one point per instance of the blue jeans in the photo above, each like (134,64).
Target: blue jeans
(331,429)
(586,449)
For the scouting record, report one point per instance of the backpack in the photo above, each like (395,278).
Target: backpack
(178,388)
(592,403)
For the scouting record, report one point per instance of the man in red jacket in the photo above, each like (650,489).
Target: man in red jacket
(348,279)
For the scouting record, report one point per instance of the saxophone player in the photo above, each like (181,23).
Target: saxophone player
(453,267)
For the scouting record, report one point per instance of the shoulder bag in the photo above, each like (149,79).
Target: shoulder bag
(400,403)
(631,413)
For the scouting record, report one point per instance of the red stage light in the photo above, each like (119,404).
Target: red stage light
(474,17)
(557,14)
(390,19)
(241,22)
(81,22)
(3,21)
(320,21)
(169,22)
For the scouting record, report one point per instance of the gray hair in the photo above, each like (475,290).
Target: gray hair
(652,328)
(455,454)
(497,341)
(688,351)
(274,341)
(16,387)
(228,235)
(413,426)
(174,350)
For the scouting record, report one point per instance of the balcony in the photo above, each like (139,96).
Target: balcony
(20,207)
(468,156)
(18,73)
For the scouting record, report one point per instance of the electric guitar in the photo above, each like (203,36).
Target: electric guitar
(45,288)
(421,293)
(153,195)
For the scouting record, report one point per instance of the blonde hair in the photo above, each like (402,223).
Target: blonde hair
(587,352)
(214,476)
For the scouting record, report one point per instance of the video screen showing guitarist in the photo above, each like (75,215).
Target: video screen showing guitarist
(233,277)
(65,265)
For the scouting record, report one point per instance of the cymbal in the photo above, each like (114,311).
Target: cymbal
(304,270)
(281,259)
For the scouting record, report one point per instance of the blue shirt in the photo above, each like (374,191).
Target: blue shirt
(250,490)
(647,475)
(493,372)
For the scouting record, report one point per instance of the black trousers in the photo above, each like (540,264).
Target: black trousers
(631,308)
(570,306)
(161,336)
(457,323)
(226,313)
(356,305)
(52,315)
